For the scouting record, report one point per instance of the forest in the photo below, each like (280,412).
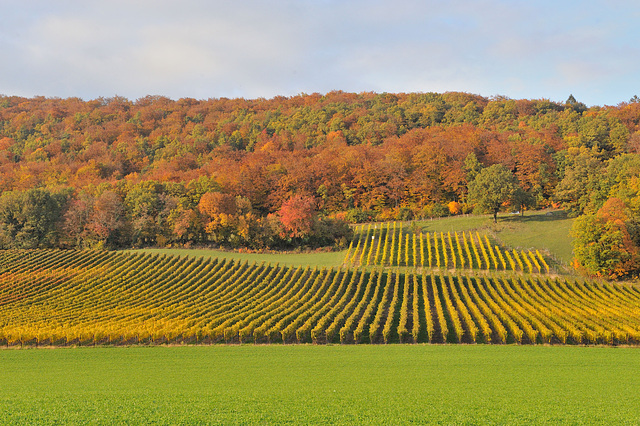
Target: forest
(292,172)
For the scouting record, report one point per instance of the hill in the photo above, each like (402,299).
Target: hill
(288,173)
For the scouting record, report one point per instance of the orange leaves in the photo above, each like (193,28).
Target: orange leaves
(613,210)
(455,207)
(219,209)
(213,203)
(297,215)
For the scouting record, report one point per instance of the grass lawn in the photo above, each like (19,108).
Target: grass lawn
(321,259)
(365,384)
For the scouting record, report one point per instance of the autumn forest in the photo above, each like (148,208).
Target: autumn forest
(294,171)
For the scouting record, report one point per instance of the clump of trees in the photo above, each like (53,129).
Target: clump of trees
(156,214)
(605,194)
(225,171)
(30,219)
(607,243)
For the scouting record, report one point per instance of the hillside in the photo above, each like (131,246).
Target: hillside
(287,173)
(547,231)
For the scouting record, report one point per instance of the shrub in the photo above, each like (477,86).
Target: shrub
(359,216)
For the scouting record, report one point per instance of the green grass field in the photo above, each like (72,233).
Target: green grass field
(320,259)
(548,231)
(300,384)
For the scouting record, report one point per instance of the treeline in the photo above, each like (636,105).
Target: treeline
(356,157)
(164,214)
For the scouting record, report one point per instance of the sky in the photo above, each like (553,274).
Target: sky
(264,48)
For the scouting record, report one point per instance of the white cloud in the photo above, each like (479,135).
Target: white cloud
(264,48)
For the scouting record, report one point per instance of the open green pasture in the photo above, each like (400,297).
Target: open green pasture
(302,384)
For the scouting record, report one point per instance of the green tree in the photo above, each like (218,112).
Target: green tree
(572,103)
(584,187)
(30,219)
(603,244)
(472,166)
(143,204)
(623,173)
(523,200)
(492,187)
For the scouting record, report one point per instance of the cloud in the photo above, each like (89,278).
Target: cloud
(198,48)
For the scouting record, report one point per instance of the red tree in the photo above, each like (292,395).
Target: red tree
(297,215)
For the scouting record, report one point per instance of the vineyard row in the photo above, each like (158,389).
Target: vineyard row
(54,297)
(387,245)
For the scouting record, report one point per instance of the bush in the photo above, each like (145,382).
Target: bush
(435,210)
(454,207)
(330,232)
(359,216)
(405,213)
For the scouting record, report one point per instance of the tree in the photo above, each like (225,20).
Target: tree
(219,213)
(623,172)
(142,205)
(572,103)
(30,219)
(603,244)
(214,203)
(77,217)
(454,207)
(491,188)
(584,187)
(523,200)
(107,219)
(472,166)
(297,215)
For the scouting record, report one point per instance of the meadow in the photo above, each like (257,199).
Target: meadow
(308,384)
(313,258)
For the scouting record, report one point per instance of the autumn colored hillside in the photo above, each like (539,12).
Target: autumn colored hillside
(155,171)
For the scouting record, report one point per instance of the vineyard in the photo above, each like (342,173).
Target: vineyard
(387,245)
(56,297)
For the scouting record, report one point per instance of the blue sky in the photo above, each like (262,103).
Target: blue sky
(207,49)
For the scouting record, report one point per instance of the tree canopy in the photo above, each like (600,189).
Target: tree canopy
(491,188)
(606,243)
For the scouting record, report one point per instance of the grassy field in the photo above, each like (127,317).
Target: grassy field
(547,231)
(302,384)
(320,259)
